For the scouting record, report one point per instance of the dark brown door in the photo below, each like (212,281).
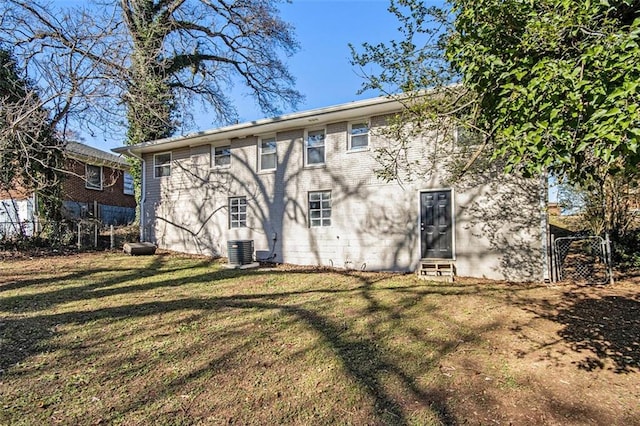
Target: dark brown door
(436,225)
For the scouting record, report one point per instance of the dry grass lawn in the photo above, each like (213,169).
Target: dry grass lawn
(109,339)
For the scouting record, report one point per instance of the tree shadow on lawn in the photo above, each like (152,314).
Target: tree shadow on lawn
(59,276)
(361,356)
(602,324)
(94,287)
(26,336)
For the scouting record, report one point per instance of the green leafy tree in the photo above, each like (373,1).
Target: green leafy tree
(31,157)
(550,85)
(556,82)
(604,208)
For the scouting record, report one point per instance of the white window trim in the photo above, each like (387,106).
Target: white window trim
(321,218)
(155,166)
(213,156)
(306,147)
(349,135)
(86,177)
(246,212)
(260,139)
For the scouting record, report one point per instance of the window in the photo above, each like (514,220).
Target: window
(162,164)
(314,147)
(358,135)
(222,156)
(128,184)
(465,137)
(93,176)
(320,208)
(268,152)
(237,212)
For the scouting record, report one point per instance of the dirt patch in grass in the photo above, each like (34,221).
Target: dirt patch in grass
(102,338)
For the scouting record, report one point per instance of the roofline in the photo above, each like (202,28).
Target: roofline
(103,158)
(89,159)
(346,111)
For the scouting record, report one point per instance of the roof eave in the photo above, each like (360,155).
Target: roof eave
(349,111)
(97,161)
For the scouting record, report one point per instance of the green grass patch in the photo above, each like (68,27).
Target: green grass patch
(167,339)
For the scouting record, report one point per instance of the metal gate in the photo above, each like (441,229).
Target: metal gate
(583,259)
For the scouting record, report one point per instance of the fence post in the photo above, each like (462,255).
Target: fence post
(95,234)
(607,241)
(79,236)
(552,261)
(112,241)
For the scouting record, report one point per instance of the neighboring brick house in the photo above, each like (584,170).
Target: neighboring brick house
(303,188)
(98,180)
(97,185)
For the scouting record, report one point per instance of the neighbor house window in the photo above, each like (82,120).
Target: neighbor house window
(237,212)
(314,147)
(320,208)
(222,156)
(162,164)
(358,135)
(268,153)
(93,176)
(128,184)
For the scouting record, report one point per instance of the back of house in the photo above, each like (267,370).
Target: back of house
(303,188)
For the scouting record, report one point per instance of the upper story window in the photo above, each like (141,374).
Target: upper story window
(162,164)
(314,147)
(358,135)
(466,137)
(93,176)
(222,156)
(267,153)
(128,184)
(237,212)
(319,208)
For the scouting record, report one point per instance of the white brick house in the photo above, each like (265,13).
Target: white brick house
(303,187)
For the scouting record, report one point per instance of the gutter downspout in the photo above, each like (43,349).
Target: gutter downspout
(143,195)
(545,228)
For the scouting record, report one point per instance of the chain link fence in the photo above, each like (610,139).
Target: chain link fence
(584,259)
(83,234)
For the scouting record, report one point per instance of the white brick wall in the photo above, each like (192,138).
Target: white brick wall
(375,225)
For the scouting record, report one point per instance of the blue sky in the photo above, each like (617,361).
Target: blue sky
(324,29)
